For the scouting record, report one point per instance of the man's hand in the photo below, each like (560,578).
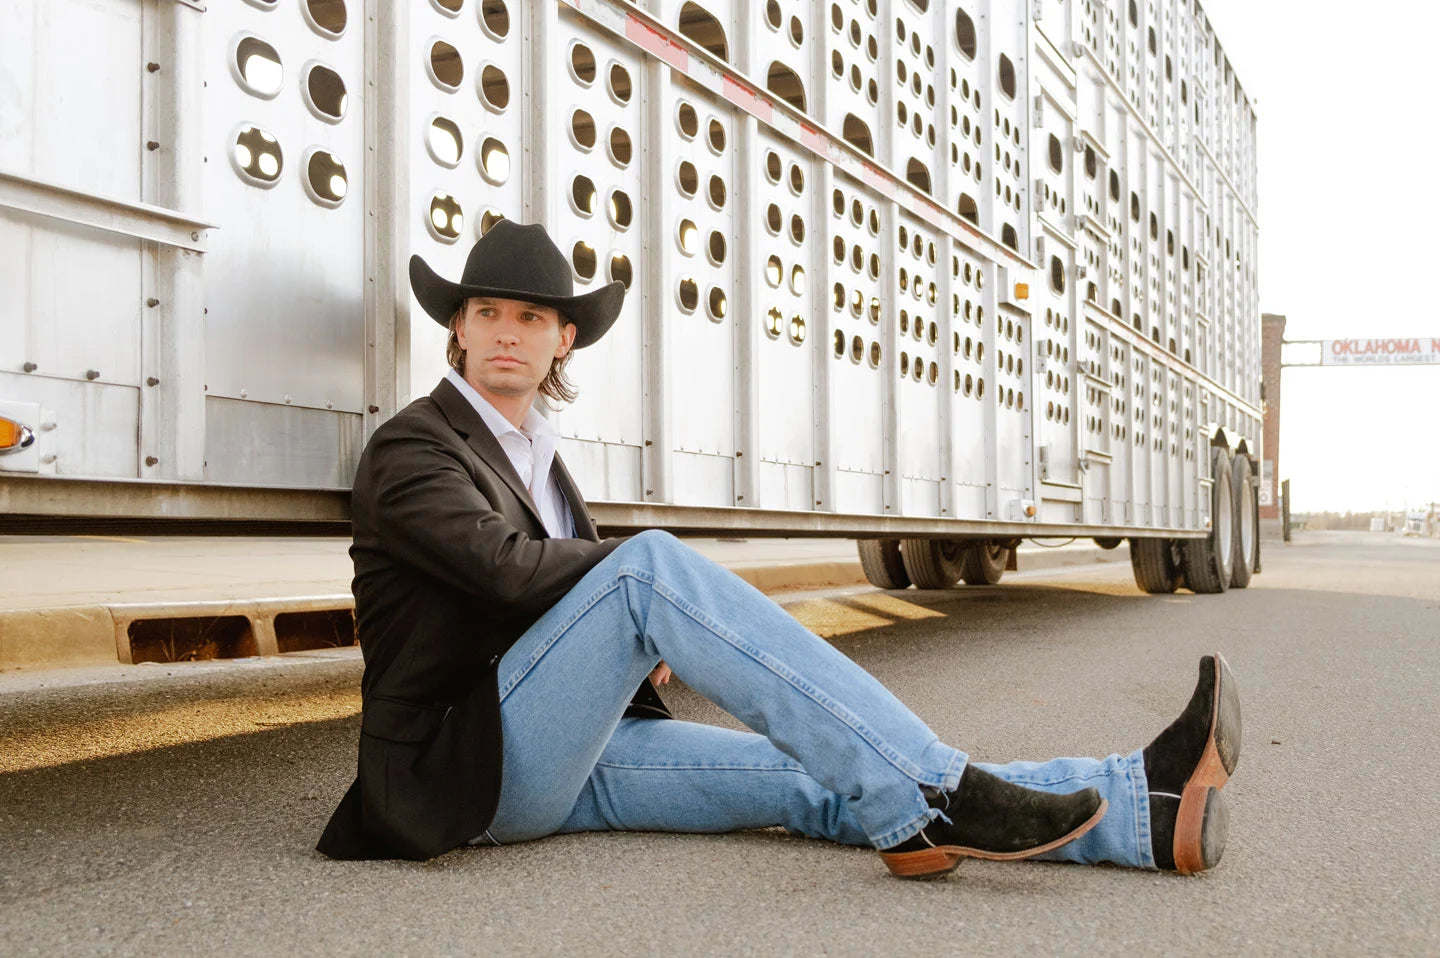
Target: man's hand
(661,675)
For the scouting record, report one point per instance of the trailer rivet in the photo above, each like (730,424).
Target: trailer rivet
(151,461)
(30,367)
(373,409)
(92,374)
(152,145)
(152,302)
(152,381)
(195,234)
(152,67)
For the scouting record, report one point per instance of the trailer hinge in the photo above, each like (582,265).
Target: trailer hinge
(1039,112)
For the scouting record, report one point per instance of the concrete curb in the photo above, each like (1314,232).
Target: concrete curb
(101,633)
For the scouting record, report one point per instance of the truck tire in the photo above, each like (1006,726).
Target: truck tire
(1247,522)
(881,562)
(1108,542)
(984,563)
(933,563)
(1208,563)
(1154,563)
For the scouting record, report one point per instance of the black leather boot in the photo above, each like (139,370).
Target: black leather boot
(1186,767)
(992,818)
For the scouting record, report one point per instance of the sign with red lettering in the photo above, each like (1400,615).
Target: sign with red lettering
(1380,352)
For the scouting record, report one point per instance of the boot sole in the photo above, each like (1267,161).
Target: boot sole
(941,860)
(1202,823)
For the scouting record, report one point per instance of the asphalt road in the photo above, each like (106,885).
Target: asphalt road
(176,814)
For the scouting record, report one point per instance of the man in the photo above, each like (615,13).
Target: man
(511,655)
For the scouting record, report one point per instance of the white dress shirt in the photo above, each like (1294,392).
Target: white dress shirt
(531,450)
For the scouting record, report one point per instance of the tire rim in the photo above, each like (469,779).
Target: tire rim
(1247,523)
(1224,527)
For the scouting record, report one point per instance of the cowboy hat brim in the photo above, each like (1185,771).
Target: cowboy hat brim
(592,313)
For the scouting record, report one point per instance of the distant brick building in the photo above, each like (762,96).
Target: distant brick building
(1272,334)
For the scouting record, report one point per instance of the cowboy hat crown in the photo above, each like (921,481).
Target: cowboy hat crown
(519,261)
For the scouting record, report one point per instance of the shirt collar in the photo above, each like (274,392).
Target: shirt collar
(534,426)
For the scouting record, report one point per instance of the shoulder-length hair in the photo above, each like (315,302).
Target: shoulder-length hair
(555,386)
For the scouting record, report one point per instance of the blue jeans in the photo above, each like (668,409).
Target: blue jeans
(837,755)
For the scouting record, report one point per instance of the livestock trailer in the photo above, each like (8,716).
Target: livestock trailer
(937,275)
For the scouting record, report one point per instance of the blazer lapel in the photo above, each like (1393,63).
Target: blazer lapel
(467,422)
(584,525)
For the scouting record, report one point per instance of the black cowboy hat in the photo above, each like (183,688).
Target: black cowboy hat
(519,261)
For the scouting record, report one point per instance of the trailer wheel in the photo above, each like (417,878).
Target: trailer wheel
(881,562)
(933,563)
(984,563)
(1155,566)
(1108,542)
(1208,563)
(1247,522)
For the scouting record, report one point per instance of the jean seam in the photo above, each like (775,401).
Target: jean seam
(882,748)
(701,768)
(1144,840)
(561,629)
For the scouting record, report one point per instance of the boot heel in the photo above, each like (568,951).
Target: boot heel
(1201,828)
(926,863)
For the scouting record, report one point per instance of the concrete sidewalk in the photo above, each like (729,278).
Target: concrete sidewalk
(69,600)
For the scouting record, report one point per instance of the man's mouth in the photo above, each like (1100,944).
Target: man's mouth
(506,362)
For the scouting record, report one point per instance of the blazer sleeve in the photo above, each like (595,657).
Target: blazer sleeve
(429,514)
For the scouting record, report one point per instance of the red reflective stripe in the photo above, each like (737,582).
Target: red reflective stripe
(658,44)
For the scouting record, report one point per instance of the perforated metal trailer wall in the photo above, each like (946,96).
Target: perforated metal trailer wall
(822,212)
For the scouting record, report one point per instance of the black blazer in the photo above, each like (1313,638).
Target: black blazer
(452,565)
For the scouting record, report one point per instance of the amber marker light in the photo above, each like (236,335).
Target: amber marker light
(13,436)
(1022,290)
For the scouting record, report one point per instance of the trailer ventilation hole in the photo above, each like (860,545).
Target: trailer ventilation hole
(688,178)
(839,343)
(786,84)
(447,219)
(1091,163)
(620,86)
(797,229)
(325,178)
(325,94)
(797,179)
(797,280)
(494,161)
(450,7)
(774,320)
(1114,186)
(621,149)
(307,631)
(685,236)
(583,256)
(582,192)
(257,156)
(917,175)
(904,365)
(717,247)
(488,219)
(717,192)
(967,208)
(717,136)
(700,25)
(1007,77)
(687,120)
(1057,154)
(327,17)
(620,271)
(446,67)
(1135,206)
(582,129)
(857,134)
(495,89)
(191,639)
(716,303)
(1057,274)
(445,142)
(1009,237)
(582,64)
(495,18)
(797,329)
(257,67)
(689,295)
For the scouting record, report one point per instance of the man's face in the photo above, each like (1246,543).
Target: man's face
(509,345)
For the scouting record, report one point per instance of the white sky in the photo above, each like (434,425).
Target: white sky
(1348,247)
